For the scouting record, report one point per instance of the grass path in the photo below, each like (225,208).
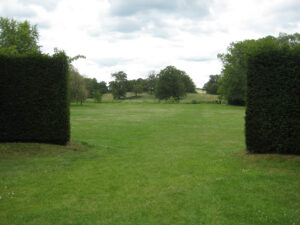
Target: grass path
(149,164)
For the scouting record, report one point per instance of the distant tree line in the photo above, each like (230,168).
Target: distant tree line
(231,83)
(213,85)
(169,82)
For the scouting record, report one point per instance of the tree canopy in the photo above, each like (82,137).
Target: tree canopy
(170,84)
(212,86)
(78,90)
(234,72)
(18,37)
(188,83)
(151,82)
(119,85)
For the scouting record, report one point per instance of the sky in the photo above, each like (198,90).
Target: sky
(140,36)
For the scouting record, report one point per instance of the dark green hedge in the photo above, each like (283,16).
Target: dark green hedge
(273,100)
(34,99)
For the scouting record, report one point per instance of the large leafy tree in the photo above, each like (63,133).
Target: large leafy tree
(234,72)
(91,85)
(212,86)
(102,87)
(18,37)
(78,90)
(151,82)
(188,83)
(119,85)
(169,84)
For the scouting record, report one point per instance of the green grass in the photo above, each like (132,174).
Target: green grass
(148,164)
(199,97)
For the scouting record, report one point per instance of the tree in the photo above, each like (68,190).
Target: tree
(102,87)
(189,85)
(292,40)
(130,85)
(137,86)
(91,86)
(234,72)
(77,83)
(118,87)
(151,82)
(170,84)
(213,84)
(97,96)
(18,37)
(78,91)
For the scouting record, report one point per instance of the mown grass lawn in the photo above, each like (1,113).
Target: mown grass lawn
(148,164)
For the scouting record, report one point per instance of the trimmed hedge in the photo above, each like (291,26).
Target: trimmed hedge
(34,99)
(273,99)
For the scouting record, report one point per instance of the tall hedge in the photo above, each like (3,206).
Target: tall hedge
(34,104)
(273,99)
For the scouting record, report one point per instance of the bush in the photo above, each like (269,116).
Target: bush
(273,99)
(172,100)
(97,96)
(34,99)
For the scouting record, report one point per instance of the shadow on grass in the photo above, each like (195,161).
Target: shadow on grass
(38,149)
(270,162)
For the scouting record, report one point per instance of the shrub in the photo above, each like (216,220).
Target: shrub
(34,99)
(97,96)
(273,99)
(172,100)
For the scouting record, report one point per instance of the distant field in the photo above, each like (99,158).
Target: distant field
(149,164)
(200,91)
(199,97)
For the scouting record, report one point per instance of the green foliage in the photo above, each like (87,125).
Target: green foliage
(119,86)
(102,87)
(92,85)
(11,51)
(212,86)
(292,40)
(137,86)
(188,83)
(172,100)
(97,96)
(18,37)
(78,91)
(151,82)
(170,84)
(34,99)
(234,73)
(69,58)
(272,116)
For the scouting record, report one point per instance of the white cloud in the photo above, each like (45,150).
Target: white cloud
(138,36)
(13,9)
